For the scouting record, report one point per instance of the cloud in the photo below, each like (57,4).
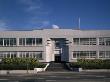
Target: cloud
(31,5)
(31,8)
(38,13)
(45,23)
(3,25)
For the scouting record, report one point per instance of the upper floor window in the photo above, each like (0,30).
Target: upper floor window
(84,41)
(1,41)
(7,41)
(21,41)
(38,41)
(104,41)
(30,41)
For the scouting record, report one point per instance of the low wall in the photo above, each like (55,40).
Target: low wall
(97,70)
(36,70)
(16,71)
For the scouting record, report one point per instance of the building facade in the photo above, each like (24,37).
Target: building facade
(56,44)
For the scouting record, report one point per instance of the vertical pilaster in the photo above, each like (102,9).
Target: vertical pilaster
(17,41)
(69,53)
(25,41)
(79,42)
(17,54)
(97,54)
(3,41)
(97,39)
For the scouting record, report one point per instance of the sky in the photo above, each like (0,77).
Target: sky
(43,14)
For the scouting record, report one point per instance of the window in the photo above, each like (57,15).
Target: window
(84,41)
(39,55)
(6,41)
(101,54)
(8,54)
(30,54)
(104,41)
(1,41)
(35,54)
(21,41)
(84,54)
(92,41)
(76,41)
(1,55)
(92,54)
(38,41)
(12,41)
(104,54)
(27,54)
(13,54)
(30,41)
(107,54)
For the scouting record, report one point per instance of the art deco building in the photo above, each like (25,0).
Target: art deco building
(56,44)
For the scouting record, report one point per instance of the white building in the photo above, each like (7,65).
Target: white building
(56,44)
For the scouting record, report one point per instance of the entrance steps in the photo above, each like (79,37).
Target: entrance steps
(57,67)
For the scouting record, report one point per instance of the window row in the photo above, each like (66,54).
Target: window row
(84,41)
(104,41)
(92,41)
(104,54)
(22,41)
(37,55)
(91,54)
(7,41)
(30,41)
(84,54)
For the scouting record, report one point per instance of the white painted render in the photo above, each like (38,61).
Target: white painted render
(48,44)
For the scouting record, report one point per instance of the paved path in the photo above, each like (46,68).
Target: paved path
(59,77)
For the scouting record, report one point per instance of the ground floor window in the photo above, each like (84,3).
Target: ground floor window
(104,54)
(84,54)
(37,55)
(8,54)
(30,54)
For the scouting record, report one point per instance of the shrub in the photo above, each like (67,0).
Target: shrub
(92,64)
(20,64)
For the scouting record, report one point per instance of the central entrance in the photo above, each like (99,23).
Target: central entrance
(59,49)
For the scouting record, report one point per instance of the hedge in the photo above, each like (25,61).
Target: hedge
(91,64)
(20,64)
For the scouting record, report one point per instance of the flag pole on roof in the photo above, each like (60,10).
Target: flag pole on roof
(79,23)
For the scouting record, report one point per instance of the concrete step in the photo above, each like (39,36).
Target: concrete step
(57,67)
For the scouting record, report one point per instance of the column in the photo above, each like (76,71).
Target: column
(79,41)
(97,54)
(3,41)
(17,41)
(17,54)
(97,39)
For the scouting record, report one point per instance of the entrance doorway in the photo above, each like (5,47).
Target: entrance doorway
(60,49)
(57,59)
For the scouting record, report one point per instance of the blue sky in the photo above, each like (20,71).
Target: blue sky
(36,14)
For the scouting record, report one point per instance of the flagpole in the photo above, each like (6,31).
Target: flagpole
(79,23)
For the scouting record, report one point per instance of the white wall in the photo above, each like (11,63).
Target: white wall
(55,33)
